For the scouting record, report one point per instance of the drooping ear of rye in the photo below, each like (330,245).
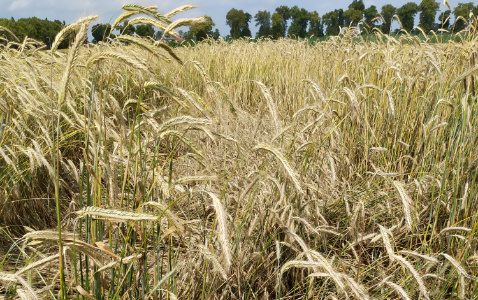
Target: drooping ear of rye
(222,230)
(10,32)
(179,9)
(81,26)
(291,172)
(125,15)
(147,11)
(406,204)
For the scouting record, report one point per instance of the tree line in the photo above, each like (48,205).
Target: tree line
(101,32)
(305,23)
(200,31)
(40,30)
(283,21)
(299,23)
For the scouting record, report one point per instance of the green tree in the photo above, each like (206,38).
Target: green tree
(202,30)
(369,14)
(284,12)
(316,27)
(444,19)
(188,36)
(357,5)
(333,21)
(126,29)
(277,29)
(11,24)
(300,20)
(41,30)
(341,18)
(330,22)
(354,14)
(462,10)
(387,14)
(428,10)
(145,30)
(216,35)
(407,13)
(100,32)
(236,19)
(263,20)
(352,17)
(246,31)
(159,34)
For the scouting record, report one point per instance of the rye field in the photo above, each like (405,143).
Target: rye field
(344,169)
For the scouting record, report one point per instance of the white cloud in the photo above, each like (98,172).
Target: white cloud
(18,4)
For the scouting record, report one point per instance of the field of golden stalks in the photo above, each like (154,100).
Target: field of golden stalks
(247,170)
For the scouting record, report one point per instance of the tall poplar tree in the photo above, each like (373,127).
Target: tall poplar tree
(387,13)
(407,13)
(428,11)
(263,20)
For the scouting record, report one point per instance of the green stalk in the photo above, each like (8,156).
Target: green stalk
(58,216)
(56,163)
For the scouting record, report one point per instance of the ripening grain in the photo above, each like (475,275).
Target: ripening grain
(249,170)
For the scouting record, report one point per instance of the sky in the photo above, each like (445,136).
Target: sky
(107,10)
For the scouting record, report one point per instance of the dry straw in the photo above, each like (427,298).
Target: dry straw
(173,218)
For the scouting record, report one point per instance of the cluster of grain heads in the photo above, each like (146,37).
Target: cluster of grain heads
(60,109)
(341,169)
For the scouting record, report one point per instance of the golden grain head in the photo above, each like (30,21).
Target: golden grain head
(273,168)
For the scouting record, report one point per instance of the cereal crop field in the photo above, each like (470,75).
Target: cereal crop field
(344,169)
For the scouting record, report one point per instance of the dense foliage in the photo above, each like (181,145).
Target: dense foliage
(298,22)
(40,30)
(283,21)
